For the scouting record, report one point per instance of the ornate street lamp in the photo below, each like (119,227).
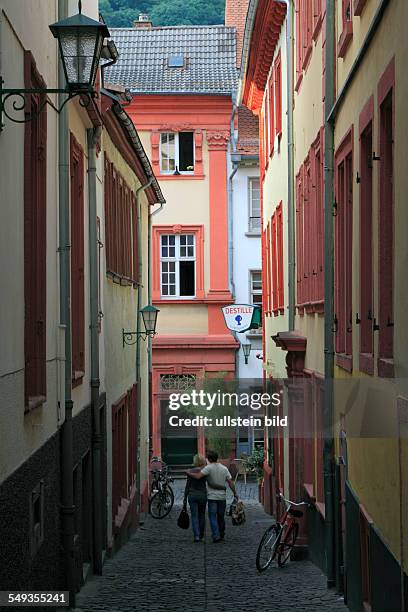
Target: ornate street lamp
(246,349)
(149,316)
(80,41)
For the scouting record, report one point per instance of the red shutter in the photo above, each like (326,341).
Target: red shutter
(278,95)
(279,229)
(386,222)
(299,238)
(35,241)
(308,235)
(298,42)
(267,110)
(77,262)
(366,239)
(135,240)
(275,296)
(271,114)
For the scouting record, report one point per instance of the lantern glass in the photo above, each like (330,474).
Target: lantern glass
(80,42)
(246,348)
(149,314)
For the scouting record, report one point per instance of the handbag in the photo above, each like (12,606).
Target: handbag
(183,520)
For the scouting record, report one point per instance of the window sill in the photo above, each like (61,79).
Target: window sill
(181,177)
(124,281)
(345,39)
(385,367)
(345,362)
(253,234)
(35,402)
(77,378)
(367,363)
(190,301)
(359,6)
(311,307)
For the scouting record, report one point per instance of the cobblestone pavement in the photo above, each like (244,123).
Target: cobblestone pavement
(161,569)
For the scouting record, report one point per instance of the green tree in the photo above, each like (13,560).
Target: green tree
(122,13)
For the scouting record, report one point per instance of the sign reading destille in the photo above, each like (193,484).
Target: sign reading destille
(241,317)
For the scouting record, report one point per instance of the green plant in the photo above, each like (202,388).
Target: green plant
(254,462)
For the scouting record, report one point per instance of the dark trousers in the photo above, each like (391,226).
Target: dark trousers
(197,507)
(216,514)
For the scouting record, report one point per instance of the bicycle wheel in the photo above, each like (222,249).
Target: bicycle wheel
(160,504)
(267,547)
(288,543)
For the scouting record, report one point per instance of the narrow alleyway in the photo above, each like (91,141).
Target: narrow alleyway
(160,568)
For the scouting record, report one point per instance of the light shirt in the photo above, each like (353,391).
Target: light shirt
(218,474)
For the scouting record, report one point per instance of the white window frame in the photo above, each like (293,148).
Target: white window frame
(251,229)
(176,155)
(176,259)
(251,289)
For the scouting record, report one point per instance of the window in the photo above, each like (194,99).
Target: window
(271,114)
(77,262)
(279,249)
(299,239)
(274,263)
(386,223)
(278,95)
(254,205)
(176,61)
(266,135)
(343,252)
(366,243)
(256,288)
(177,152)
(35,241)
(304,36)
(347,22)
(177,265)
(120,228)
(124,448)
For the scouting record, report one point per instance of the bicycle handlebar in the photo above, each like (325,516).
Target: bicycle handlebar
(291,503)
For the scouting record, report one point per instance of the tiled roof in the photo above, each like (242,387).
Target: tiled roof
(210,60)
(248,132)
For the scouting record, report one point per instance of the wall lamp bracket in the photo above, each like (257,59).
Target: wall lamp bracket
(130,338)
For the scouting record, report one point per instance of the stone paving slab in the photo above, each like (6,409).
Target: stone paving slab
(161,569)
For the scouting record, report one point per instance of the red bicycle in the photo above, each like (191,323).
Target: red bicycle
(280,538)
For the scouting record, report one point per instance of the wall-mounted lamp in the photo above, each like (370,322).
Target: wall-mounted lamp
(149,316)
(80,42)
(246,349)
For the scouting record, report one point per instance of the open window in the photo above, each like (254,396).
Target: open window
(177,153)
(177,265)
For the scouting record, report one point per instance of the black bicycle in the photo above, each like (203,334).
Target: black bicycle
(161,494)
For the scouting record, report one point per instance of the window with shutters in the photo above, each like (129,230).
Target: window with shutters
(121,231)
(255,292)
(386,222)
(35,240)
(343,252)
(77,262)
(124,448)
(266,135)
(271,92)
(317,194)
(279,250)
(299,242)
(277,72)
(366,310)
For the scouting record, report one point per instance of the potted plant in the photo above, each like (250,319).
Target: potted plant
(254,465)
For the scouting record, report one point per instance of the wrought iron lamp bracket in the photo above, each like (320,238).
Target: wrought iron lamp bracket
(16,100)
(127,337)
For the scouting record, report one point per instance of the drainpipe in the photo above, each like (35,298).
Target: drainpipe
(291,166)
(138,329)
(149,300)
(93,135)
(67,486)
(328,460)
(230,205)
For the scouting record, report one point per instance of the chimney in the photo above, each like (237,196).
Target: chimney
(143,22)
(235,16)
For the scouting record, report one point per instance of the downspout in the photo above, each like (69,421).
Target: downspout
(149,299)
(291,166)
(67,485)
(138,329)
(328,460)
(231,225)
(93,136)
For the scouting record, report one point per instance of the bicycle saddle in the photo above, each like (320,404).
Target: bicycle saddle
(295,513)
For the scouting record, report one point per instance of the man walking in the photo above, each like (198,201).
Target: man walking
(217,477)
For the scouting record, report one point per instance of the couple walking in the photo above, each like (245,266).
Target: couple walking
(207,482)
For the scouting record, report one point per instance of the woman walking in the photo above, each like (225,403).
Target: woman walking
(196,493)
